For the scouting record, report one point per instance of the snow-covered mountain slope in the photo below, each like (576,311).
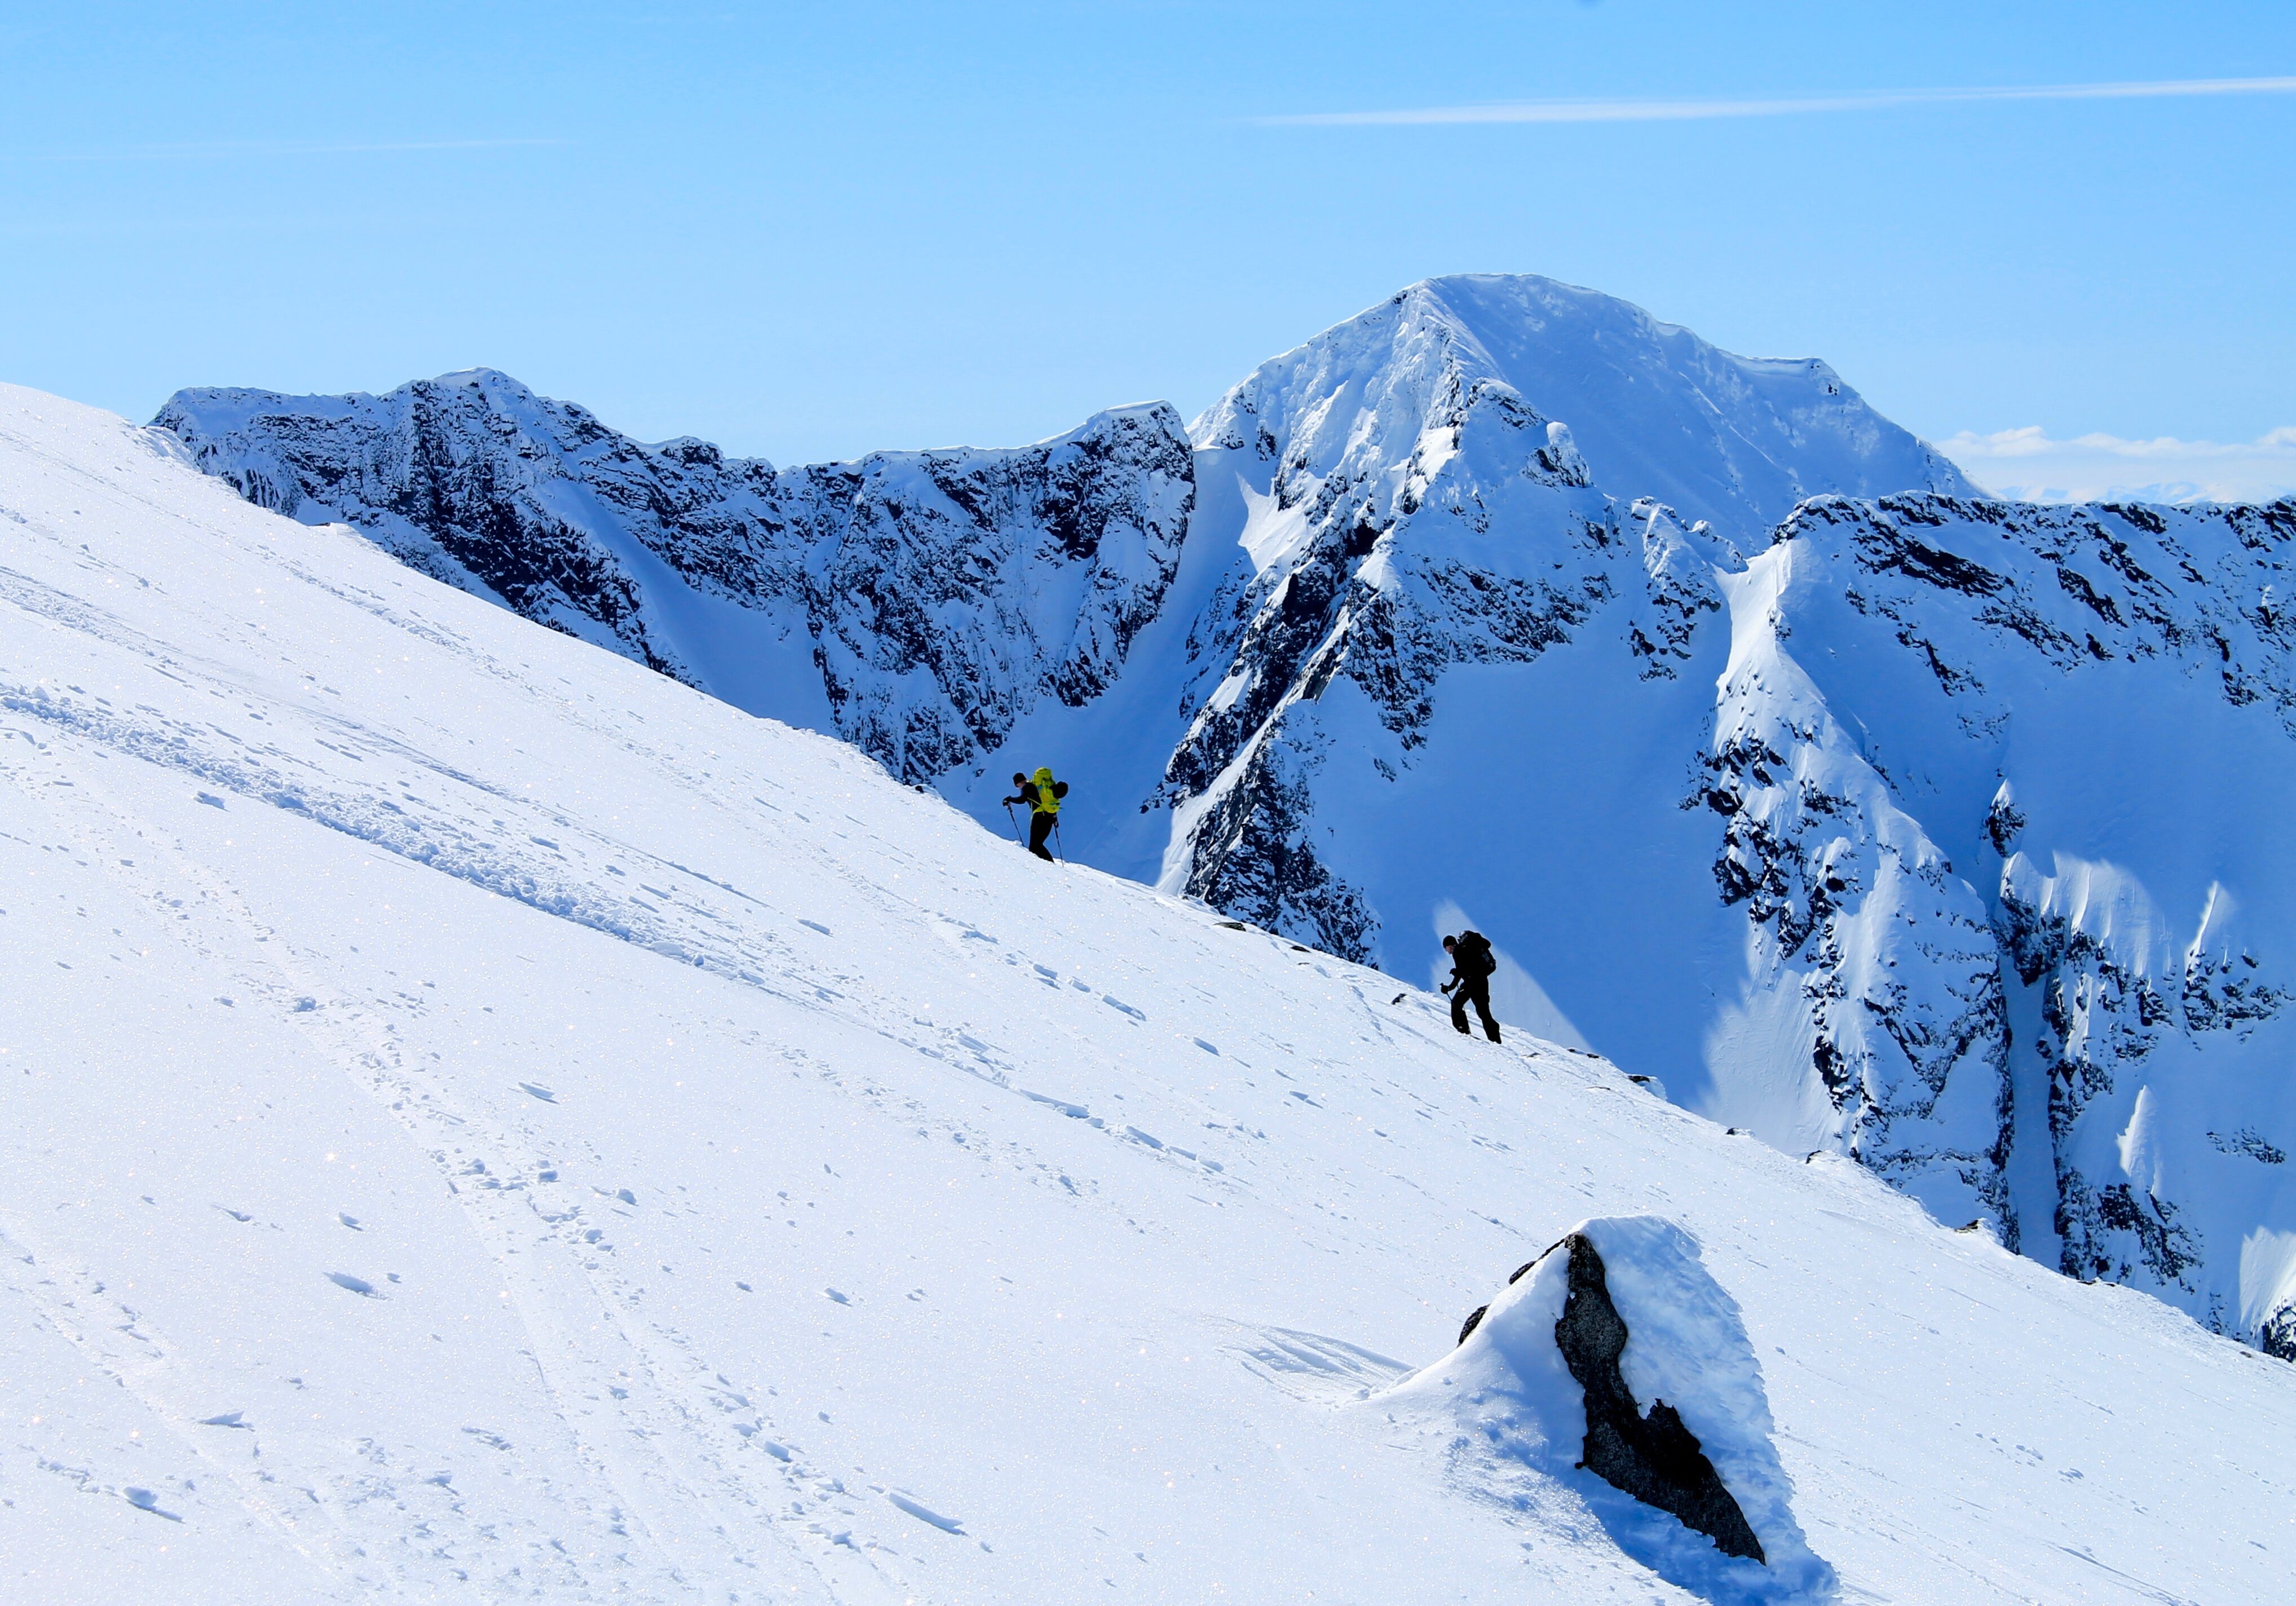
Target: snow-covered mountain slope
(2087,712)
(1494,606)
(1937,833)
(485,1120)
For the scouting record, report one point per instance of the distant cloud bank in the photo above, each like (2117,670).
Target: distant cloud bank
(1696,110)
(2030,466)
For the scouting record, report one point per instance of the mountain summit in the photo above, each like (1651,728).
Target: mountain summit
(1862,812)
(1652,410)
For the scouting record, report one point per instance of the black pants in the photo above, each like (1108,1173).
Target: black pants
(1479,990)
(1040,826)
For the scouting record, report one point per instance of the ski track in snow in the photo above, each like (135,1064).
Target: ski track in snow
(491,1123)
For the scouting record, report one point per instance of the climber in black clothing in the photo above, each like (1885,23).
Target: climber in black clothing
(1043,796)
(1472,964)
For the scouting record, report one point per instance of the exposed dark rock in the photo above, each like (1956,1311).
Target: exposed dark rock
(2076,585)
(2246,1141)
(2276,1334)
(1255,857)
(1884,549)
(2111,1230)
(1653,1456)
(2222,992)
(2004,822)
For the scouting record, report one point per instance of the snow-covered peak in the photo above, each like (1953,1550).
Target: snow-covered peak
(1655,410)
(1377,403)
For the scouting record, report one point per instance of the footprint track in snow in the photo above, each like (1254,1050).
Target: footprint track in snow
(222,930)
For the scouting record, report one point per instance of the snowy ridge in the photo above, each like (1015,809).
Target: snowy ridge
(490,1121)
(2069,683)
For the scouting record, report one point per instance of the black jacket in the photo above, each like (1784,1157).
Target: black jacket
(1472,961)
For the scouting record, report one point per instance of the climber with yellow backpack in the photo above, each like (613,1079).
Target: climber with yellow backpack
(1042,795)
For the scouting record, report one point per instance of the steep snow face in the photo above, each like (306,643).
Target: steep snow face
(2085,705)
(485,1121)
(915,603)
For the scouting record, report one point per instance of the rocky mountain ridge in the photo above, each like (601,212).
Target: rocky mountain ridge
(912,603)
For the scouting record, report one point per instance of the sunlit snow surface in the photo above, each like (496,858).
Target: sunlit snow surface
(484,1121)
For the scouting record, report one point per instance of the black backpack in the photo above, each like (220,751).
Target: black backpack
(1472,955)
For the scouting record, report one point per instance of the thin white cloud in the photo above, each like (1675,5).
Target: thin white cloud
(2030,466)
(1693,110)
(225,150)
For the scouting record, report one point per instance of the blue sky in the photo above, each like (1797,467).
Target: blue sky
(810,231)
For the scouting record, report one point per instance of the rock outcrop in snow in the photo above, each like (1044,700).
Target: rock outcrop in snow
(1617,1364)
(1649,1455)
(1864,813)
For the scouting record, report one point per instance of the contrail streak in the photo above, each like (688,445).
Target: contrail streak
(1676,111)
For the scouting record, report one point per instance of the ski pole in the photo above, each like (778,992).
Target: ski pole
(1057,846)
(1014,824)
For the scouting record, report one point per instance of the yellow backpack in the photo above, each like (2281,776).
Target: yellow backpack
(1048,796)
